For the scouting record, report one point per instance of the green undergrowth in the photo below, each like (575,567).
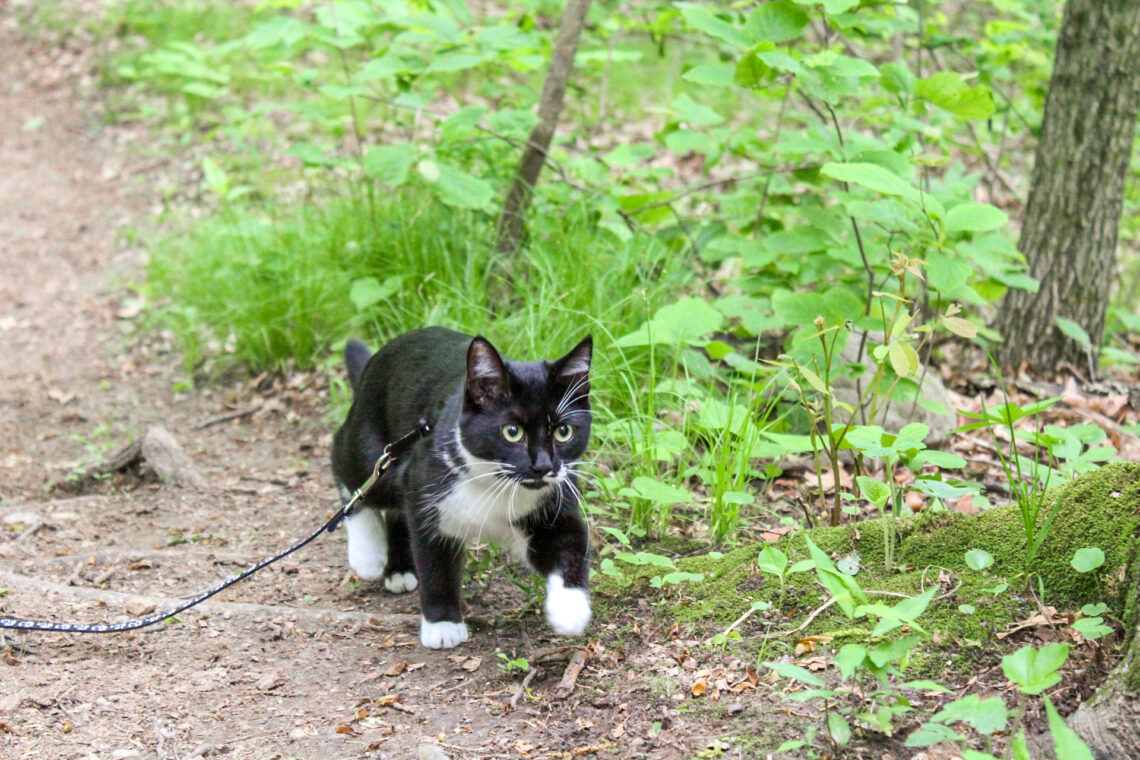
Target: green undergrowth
(287,287)
(1100,509)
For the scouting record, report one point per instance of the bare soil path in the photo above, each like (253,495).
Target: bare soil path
(303,661)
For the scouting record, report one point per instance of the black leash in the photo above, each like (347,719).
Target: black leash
(391,453)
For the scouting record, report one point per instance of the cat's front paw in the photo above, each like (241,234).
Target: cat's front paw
(401,583)
(567,609)
(442,635)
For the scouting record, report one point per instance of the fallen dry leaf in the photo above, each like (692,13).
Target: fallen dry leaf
(396,669)
(344,728)
(472,664)
(700,687)
(808,643)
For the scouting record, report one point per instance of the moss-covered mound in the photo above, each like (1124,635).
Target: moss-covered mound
(1100,509)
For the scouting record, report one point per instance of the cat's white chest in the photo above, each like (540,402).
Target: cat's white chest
(486,508)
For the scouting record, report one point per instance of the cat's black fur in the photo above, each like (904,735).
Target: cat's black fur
(470,395)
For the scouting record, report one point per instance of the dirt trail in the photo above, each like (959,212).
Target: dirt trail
(301,662)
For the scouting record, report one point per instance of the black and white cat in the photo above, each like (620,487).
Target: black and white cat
(499,464)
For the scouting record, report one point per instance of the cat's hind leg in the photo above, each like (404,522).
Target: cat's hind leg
(367,543)
(400,577)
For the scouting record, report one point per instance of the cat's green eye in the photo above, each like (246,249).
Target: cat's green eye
(513,433)
(563,433)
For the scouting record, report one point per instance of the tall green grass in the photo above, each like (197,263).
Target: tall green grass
(270,292)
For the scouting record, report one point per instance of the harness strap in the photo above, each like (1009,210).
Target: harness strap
(391,453)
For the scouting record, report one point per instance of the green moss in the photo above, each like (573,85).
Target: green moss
(1099,509)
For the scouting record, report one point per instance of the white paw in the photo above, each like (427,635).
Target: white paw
(399,583)
(442,635)
(567,609)
(367,544)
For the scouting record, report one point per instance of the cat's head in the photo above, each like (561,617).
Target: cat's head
(530,418)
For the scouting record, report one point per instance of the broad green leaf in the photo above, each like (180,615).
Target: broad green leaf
(873,490)
(1073,330)
(214,177)
(1092,610)
(454,61)
(673,579)
(975,217)
(367,291)
(461,124)
(835,7)
(429,170)
(699,16)
(661,493)
(390,163)
(1065,740)
(387,65)
(973,754)
(310,154)
(961,327)
(873,177)
(796,673)
(694,113)
(772,560)
(904,359)
(986,716)
(715,74)
(1091,627)
(839,728)
(896,78)
(924,685)
(979,559)
(947,89)
(777,21)
(929,734)
(644,558)
(458,188)
(848,658)
(891,651)
(788,746)
(1087,559)
(1035,670)
(686,321)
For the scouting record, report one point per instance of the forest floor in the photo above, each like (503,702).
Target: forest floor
(301,661)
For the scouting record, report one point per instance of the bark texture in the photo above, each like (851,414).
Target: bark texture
(1110,721)
(1072,217)
(549,110)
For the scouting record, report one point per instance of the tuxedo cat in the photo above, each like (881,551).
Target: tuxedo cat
(498,464)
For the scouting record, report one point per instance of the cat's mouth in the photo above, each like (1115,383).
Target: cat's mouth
(535,485)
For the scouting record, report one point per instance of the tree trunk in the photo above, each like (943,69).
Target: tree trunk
(549,109)
(1110,721)
(1076,192)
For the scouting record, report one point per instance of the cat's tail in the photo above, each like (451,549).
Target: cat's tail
(356,355)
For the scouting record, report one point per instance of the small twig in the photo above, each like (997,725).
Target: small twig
(219,419)
(803,625)
(522,688)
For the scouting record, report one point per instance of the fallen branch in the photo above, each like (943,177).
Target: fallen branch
(570,677)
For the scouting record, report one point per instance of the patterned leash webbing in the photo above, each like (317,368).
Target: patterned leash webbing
(391,453)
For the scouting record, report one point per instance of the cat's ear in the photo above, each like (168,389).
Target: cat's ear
(575,366)
(487,379)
